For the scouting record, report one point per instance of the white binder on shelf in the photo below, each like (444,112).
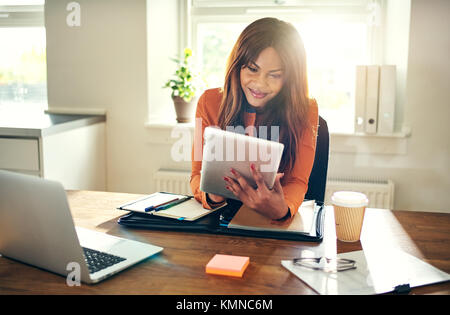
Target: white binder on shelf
(360,98)
(372,99)
(386,99)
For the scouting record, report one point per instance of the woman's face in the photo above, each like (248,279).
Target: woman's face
(262,79)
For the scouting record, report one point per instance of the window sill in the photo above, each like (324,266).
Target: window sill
(359,143)
(166,132)
(167,125)
(403,134)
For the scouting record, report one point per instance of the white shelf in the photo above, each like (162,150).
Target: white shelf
(356,143)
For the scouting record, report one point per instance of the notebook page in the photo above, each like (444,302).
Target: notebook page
(153,199)
(189,210)
(248,219)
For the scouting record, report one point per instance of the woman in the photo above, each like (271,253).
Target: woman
(265,85)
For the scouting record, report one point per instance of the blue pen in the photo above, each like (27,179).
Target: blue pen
(157,206)
(166,206)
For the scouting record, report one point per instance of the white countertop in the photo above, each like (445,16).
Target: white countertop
(20,122)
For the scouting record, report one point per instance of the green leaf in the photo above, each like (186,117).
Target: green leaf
(183,82)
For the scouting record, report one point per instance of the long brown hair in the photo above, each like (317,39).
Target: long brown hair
(289,109)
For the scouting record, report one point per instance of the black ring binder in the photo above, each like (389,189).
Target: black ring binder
(216,223)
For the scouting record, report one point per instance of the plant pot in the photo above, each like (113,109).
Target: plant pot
(185,110)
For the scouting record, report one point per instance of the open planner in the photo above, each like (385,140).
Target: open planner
(168,205)
(232,218)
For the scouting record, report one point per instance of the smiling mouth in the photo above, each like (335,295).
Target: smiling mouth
(257,94)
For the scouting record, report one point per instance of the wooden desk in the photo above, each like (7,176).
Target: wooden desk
(180,268)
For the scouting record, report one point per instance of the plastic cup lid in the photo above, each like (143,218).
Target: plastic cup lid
(349,199)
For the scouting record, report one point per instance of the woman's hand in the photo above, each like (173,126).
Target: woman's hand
(269,202)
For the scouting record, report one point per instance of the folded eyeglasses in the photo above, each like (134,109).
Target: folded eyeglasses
(325,264)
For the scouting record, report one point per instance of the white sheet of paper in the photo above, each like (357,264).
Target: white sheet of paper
(249,219)
(377,272)
(190,210)
(147,201)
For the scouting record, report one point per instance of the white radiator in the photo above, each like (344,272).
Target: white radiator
(379,192)
(174,181)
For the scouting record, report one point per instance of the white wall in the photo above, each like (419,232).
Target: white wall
(427,170)
(422,173)
(103,64)
(395,50)
(162,27)
(76,157)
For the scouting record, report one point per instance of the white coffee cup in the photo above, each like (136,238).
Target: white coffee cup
(349,209)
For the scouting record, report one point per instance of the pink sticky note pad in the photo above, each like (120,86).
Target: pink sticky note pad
(227,265)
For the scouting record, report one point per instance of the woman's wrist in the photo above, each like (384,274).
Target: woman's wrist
(286,214)
(212,202)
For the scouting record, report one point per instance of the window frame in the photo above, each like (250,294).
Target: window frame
(246,11)
(242,12)
(22,16)
(25,16)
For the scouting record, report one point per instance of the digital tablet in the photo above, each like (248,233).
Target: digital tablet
(223,150)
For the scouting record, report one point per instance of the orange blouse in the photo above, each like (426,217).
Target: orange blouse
(294,189)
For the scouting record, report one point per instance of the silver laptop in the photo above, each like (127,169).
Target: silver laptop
(36,227)
(223,150)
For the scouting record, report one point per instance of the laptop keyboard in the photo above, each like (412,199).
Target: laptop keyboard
(97,261)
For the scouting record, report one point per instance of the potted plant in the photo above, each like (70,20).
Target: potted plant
(183,88)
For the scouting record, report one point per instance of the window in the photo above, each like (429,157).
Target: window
(23,73)
(338,35)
